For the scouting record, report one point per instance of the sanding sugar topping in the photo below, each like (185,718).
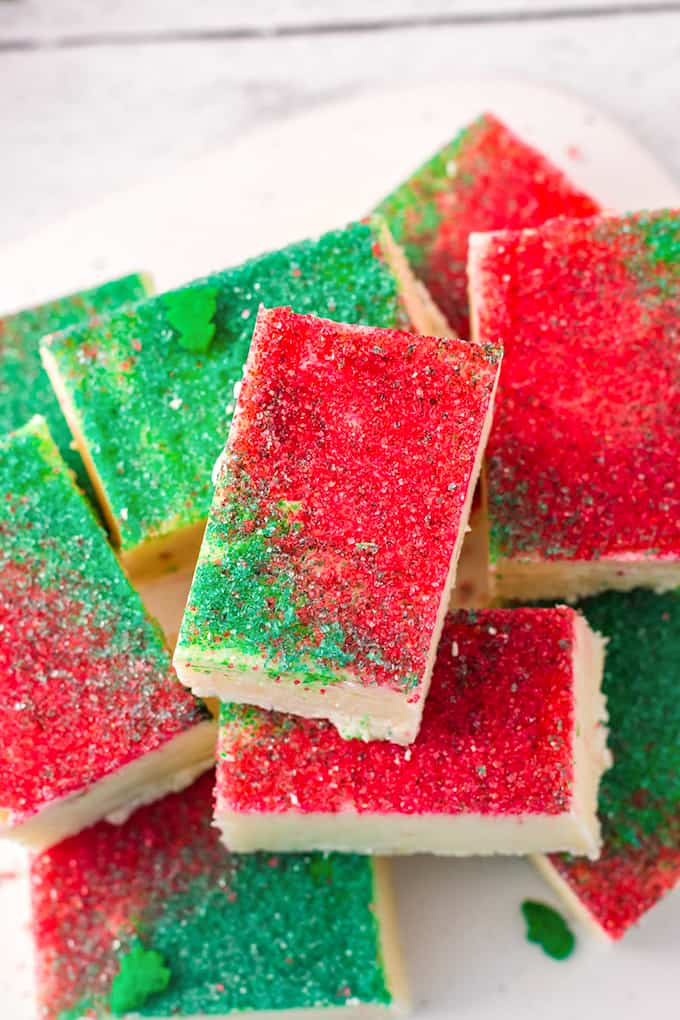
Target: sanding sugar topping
(640,796)
(584,453)
(85,679)
(339,502)
(156,916)
(485,179)
(496,736)
(25,389)
(153,388)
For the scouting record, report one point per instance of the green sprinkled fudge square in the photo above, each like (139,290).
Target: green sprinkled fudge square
(149,392)
(25,389)
(639,799)
(155,918)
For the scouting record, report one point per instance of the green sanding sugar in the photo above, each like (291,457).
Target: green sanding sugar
(156,916)
(548,929)
(142,974)
(661,233)
(153,388)
(412,211)
(43,518)
(25,389)
(313,910)
(639,796)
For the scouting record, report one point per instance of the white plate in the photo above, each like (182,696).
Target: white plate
(461,927)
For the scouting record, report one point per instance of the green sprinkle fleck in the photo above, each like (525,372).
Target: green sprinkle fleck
(548,929)
(321,869)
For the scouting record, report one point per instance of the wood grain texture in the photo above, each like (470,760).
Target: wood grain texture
(81,123)
(49,21)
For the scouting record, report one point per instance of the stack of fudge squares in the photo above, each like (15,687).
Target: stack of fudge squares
(405,501)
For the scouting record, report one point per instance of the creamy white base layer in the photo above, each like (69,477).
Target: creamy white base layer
(571,901)
(523,580)
(172,767)
(356,710)
(575,830)
(446,835)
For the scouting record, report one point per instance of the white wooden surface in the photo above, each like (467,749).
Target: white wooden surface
(46,21)
(221,208)
(78,123)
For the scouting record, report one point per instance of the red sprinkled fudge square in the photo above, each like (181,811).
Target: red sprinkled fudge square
(508,757)
(93,721)
(341,504)
(583,457)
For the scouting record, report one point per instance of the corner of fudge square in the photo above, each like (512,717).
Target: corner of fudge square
(584,452)
(508,758)
(486,178)
(341,503)
(639,798)
(93,721)
(148,392)
(24,384)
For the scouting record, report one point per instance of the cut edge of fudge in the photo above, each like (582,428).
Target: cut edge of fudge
(526,579)
(156,556)
(473,585)
(576,830)
(574,905)
(357,711)
(168,769)
(390,947)
(425,316)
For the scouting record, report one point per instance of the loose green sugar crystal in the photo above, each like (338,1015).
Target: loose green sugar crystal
(25,389)
(321,869)
(142,973)
(548,929)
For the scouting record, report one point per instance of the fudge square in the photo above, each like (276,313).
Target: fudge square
(508,757)
(487,178)
(148,392)
(24,387)
(92,718)
(340,508)
(155,918)
(640,796)
(583,457)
